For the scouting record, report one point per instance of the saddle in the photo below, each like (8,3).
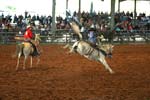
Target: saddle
(35,51)
(99,49)
(93,45)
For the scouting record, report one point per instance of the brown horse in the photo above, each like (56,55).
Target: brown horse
(26,49)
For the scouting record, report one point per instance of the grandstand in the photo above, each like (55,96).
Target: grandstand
(10,26)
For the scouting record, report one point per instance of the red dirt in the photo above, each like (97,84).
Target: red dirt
(73,77)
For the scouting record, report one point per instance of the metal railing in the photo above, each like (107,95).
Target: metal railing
(60,36)
(65,36)
(132,36)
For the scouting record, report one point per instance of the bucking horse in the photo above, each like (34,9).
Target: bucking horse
(89,51)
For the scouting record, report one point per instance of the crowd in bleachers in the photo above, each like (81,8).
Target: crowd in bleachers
(123,21)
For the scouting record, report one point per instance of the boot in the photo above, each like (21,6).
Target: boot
(35,51)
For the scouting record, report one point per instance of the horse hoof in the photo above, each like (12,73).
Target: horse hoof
(112,72)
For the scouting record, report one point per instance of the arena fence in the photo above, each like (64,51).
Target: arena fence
(134,36)
(66,36)
(60,36)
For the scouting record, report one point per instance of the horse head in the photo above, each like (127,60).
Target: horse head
(108,48)
(37,39)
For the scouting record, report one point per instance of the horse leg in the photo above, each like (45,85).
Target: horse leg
(18,61)
(38,60)
(24,63)
(67,46)
(103,61)
(74,46)
(31,62)
(72,49)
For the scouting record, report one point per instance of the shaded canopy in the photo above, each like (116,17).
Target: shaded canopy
(132,0)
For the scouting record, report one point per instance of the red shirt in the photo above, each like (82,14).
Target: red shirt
(28,34)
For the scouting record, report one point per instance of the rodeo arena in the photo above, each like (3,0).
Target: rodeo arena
(84,56)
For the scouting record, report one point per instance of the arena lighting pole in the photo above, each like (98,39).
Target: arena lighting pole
(79,13)
(118,5)
(66,4)
(112,14)
(66,7)
(53,16)
(134,9)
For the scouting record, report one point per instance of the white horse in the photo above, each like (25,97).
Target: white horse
(26,49)
(88,51)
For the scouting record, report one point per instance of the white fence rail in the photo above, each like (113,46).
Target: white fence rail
(134,36)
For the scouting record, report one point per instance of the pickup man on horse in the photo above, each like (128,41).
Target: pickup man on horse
(28,36)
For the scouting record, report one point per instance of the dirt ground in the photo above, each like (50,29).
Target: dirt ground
(60,76)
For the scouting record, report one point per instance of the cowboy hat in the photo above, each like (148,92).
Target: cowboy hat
(92,28)
(28,26)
